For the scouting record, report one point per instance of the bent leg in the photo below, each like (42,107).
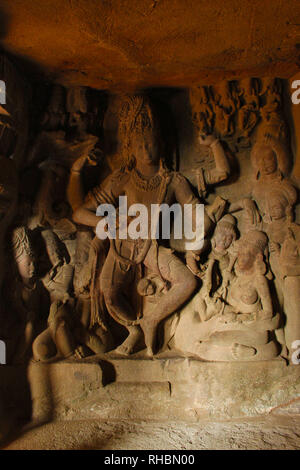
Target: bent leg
(63,339)
(44,347)
(182,284)
(115,283)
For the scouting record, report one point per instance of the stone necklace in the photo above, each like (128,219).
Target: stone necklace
(144,183)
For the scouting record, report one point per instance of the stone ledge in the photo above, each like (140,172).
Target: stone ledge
(163,388)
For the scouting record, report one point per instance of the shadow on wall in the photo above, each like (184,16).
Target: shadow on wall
(16,406)
(15,390)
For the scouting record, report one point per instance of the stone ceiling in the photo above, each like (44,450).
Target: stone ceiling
(127,44)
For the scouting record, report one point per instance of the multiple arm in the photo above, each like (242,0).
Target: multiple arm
(222,169)
(84,211)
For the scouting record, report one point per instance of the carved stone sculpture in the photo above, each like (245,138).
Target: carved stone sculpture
(284,236)
(27,301)
(270,163)
(202,112)
(241,315)
(248,112)
(89,259)
(216,297)
(273,124)
(224,107)
(275,197)
(143,179)
(66,334)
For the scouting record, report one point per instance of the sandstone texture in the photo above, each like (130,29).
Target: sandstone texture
(142,43)
(269,433)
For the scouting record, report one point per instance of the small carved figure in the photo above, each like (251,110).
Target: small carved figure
(273,124)
(224,107)
(66,333)
(248,113)
(202,113)
(28,300)
(58,280)
(66,135)
(220,262)
(77,107)
(218,269)
(270,163)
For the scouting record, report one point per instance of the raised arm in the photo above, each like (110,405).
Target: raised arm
(83,212)
(184,195)
(75,191)
(84,208)
(222,168)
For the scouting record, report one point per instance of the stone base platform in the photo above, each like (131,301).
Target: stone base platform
(162,389)
(259,433)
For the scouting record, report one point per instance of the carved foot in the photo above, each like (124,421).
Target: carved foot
(149,352)
(123,349)
(239,351)
(127,347)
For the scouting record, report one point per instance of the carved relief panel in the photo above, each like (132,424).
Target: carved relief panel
(235,297)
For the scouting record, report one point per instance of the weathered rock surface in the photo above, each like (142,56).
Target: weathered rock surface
(256,434)
(164,389)
(137,43)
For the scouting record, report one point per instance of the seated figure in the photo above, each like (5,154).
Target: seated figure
(31,303)
(242,325)
(219,266)
(25,297)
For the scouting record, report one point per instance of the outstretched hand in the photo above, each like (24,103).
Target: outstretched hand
(80,163)
(90,159)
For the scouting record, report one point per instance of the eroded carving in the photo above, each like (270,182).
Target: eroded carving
(236,321)
(233,299)
(143,178)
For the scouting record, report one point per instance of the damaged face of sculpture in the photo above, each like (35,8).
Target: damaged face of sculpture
(145,148)
(278,207)
(267,162)
(224,234)
(24,256)
(26,267)
(246,259)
